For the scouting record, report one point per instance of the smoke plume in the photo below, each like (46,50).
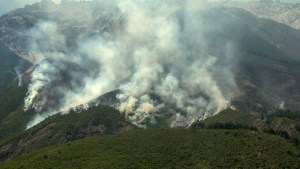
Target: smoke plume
(161,55)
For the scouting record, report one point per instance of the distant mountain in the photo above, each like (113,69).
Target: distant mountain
(286,13)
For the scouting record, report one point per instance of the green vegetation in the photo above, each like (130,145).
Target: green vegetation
(169,148)
(54,130)
(282,123)
(295,115)
(11,97)
(232,116)
(297,127)
(59,129)
(13,119)
(284,127)
(74,126)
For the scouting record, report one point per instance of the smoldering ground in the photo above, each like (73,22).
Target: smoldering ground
(175,51)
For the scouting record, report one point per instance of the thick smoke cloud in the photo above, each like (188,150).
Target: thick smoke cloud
(161,57)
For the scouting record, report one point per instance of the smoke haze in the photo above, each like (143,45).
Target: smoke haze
(8,5)
(159,54)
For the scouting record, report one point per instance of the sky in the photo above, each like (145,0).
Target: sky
(8,5)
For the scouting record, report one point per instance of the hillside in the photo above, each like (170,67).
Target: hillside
(282,123)
(103,120)
(58,129)
(13,119)
(286,13)
(176,148)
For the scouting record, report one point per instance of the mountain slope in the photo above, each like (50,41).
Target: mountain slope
(266,65)
(11,65)
(283,123)
(287,13)
(13,119)
(57,129)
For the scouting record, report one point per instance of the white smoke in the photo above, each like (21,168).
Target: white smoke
(282,105)
(18,70)
(160,58)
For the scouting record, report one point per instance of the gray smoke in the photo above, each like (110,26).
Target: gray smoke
(161,55)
